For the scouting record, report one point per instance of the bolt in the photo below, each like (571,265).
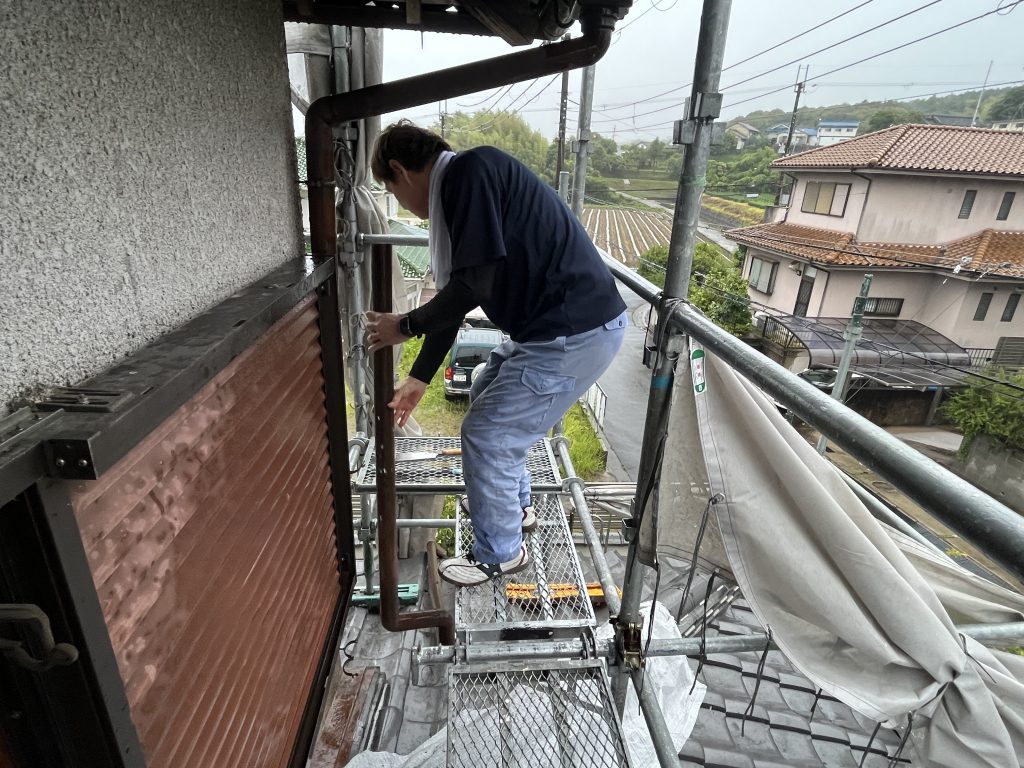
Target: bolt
(60,462)
(83,462)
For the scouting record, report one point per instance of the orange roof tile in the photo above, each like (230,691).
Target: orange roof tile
(930,148)
(990,251)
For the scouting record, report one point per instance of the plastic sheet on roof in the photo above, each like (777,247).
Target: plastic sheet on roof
(869,621)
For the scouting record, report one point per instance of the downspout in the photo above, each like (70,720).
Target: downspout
(331,111)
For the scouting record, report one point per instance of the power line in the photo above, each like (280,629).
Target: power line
(835,45)
(744,61)
(883,53)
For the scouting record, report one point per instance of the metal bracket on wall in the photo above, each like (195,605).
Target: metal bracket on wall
(84,399)
(26,615)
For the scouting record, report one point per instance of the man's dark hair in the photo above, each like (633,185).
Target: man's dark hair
(413,147)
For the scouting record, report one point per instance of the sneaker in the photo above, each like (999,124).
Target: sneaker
(529,515)
(467,572)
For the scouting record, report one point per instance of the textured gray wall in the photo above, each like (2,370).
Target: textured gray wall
(147,171)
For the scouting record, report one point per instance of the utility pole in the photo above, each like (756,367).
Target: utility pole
(563,107)
(579,186)
(799,88)
(974,120)
(852,334)
(444,114)
(695,131)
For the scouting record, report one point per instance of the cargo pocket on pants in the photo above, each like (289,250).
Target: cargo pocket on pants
(545,388)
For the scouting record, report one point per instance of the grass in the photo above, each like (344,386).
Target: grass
(585,449)
(434,414)
(437,416)
(747,215)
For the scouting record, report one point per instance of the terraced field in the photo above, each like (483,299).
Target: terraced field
(626,234)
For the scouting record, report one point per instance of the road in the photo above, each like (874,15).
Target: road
(626,383)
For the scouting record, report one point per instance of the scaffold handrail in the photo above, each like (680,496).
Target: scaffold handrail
(991,526)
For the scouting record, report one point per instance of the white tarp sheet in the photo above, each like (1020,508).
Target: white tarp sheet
(869,620)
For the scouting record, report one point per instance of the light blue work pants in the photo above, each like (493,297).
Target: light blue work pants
(520,395)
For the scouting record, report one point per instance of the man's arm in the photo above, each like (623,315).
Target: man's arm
(439,319)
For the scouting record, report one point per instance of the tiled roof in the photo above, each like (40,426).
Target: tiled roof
(990,251)
(931,148)
(415,259)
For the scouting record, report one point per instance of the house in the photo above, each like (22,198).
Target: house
(1009,125)
(741,132)
(802,138)
(961,121)
(834,131)
(934,213)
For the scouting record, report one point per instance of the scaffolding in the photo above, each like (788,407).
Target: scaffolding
(533,654)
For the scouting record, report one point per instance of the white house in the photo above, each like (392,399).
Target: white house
(935,213)
(834,131)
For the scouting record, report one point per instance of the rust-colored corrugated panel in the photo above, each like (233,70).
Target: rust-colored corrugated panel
(212,549)
(6,756)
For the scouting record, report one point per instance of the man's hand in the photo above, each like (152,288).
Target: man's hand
(382,331)
(407,396)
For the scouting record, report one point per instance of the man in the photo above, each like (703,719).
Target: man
(500,239)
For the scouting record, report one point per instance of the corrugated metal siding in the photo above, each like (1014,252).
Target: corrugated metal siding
(212,549)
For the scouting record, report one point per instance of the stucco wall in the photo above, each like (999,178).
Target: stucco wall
(925,209)
(147,172)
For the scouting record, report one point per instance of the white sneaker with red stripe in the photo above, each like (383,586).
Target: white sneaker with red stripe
(467,572)
(529,515)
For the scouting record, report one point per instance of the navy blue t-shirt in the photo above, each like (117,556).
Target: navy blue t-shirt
(551,280)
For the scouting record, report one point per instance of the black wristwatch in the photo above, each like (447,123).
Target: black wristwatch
(405,326)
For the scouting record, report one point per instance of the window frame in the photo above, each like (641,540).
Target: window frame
(891,301)
(984,304)
(818,186)
(773,267)
(1010,308)
(1005,205)
(967,203)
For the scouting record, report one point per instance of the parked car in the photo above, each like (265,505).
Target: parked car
(471,348)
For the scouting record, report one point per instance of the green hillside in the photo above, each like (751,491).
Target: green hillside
(952,104)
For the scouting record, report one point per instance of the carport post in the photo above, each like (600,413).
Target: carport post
(852,336)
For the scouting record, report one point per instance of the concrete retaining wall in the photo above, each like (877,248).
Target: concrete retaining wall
(997,470)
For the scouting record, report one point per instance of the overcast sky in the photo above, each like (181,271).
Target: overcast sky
(654,52)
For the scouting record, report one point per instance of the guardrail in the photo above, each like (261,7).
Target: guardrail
(596,402)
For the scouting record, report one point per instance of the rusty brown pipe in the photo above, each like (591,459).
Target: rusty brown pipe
(387,501)
(325,113)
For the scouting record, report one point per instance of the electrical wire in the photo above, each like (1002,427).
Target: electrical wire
(749,58)
(882,53)
(835,45)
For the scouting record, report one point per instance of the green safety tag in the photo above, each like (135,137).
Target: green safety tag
(697,370)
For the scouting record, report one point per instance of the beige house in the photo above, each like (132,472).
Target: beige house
(935,213)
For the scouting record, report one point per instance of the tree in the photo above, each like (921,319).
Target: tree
(505,131)
(717,287)
(635,155)
(656,152)
(987,408)
(1009,106)
(889,116)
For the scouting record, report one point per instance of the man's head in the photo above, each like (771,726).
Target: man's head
(402,159)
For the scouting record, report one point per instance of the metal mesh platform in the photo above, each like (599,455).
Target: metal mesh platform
(532,715)
(550,593)
(444,474)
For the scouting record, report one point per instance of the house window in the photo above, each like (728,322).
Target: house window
(879,307)
(762,274)
(1004,207)
(968,203)
(826,198)
(1011,307)
(983,304)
